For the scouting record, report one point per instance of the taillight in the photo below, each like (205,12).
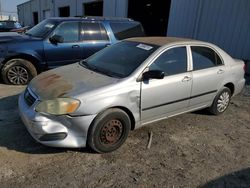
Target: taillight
(245,67)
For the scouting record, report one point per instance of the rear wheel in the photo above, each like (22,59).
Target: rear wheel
(109,131)
(221,101)
(18,72)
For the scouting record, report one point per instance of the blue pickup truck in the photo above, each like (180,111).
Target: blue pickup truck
(59,41)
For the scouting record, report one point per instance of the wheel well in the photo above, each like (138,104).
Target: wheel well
(131,116)
(30,58)
(231,87)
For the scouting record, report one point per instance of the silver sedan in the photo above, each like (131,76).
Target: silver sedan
(137,81)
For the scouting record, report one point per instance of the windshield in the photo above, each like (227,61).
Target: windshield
(121,59)
(42,29)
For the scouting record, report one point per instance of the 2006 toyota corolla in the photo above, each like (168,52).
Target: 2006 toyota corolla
(125,86)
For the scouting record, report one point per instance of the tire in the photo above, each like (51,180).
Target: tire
(109,130)
(18,72)
(221,101)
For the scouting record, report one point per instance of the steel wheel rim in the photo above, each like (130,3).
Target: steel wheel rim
(111,132)
(18,75)
(223,102)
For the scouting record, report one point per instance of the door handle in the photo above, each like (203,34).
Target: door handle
(75,46)
(107,45)
(186,79)
(220,71)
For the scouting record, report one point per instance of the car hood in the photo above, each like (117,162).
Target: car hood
(12,36)
(68,81)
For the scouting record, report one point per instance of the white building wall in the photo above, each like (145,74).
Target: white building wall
(65,3)
(35,7)
(46,8)
(25,14)
(50,8)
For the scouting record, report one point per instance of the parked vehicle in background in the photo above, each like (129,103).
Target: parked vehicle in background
(7,25)
(21,30)
(126,86)
(59,41)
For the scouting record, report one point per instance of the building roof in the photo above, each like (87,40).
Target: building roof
(159,41)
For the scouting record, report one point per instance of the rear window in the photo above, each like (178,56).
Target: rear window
(126,30)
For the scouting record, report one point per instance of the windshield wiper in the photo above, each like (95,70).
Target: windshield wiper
(85,64)
(99,70)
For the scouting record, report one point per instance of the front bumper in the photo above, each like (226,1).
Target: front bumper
(56,131)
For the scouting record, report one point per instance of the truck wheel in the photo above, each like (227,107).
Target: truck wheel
(109,131)
(18,72)
(221,101)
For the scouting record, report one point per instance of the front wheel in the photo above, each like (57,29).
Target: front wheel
(221,101)
(18,72)
(109,130)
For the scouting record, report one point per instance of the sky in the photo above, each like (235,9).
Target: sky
(10,5)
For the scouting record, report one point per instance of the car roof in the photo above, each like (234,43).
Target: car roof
(162,41)
(91,18)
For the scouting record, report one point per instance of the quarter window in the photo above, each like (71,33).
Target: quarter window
(123,30)
(93,31)
(204,57)
(69,31)
(173,61)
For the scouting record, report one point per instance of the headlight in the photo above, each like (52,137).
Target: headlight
(58,106)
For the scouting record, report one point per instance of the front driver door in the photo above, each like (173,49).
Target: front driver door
(69,51)
(170,95)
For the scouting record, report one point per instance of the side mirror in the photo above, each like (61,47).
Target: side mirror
(153,74)
(56,39)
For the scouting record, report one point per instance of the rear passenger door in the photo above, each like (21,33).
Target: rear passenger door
(94,37)
(208,73)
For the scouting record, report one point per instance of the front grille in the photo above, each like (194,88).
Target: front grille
(29,98)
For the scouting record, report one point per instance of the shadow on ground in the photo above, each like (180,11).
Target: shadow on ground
(13,134)
(236,179)
(247,77)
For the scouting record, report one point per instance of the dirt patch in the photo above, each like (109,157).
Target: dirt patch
(190,150)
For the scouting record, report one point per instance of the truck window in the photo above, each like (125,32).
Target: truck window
(123,30)
(69,31)
(93,31)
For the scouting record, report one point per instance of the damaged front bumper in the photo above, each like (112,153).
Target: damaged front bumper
(56,131)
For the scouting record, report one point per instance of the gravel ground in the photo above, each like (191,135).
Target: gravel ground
(190,150)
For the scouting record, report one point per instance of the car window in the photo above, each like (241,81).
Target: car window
(69,31)
(93,31)
(172,61)
(204,57)
(123,30)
